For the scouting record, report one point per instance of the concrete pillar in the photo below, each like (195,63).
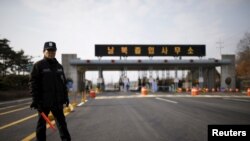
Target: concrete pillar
(100,73)
(80,80)
(66,58)
(211,78)
(191,78)
(74,77)
(195,76)
(200,79)
(69,70)
(176,80)
(205,78)
(100,80)
(228,71)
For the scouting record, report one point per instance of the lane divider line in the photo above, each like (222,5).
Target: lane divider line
(19,109)
(161,95)
(166,100)
(16,122)
(14,106)
(15,101)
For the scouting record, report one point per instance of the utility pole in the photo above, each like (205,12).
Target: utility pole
(220,43)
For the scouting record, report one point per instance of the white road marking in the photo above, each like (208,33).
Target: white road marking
(170,95)
(80,104)
(15,101)
(19,109)
(17,122)
(166,100)
(14,105)
(242,100)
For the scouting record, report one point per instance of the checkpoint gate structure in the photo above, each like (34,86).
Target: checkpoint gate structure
(75,68)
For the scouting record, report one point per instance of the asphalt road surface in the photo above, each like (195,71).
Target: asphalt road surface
(116,116)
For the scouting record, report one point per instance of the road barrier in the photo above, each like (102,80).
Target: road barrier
(144,91)
(236,90)
(179,90)
(213,89)
(207,90)
(92,94)
(66,110)
(194,91)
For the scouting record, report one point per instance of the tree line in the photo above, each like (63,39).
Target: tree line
(14,68)
(13,62)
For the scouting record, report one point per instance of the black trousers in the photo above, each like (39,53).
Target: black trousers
(57,112)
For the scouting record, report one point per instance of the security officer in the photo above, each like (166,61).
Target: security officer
(49,92)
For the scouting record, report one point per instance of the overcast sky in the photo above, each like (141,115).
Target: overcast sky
(77,25)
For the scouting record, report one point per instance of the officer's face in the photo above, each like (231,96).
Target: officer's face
(50,54)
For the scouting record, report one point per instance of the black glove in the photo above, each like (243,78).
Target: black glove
(35,105)
(67,102)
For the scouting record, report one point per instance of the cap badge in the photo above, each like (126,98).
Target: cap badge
(50,44)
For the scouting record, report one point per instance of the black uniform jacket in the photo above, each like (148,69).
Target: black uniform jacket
(48,83)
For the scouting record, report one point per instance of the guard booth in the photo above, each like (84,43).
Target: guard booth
(200,69)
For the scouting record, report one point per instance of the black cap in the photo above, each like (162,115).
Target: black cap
(49,46)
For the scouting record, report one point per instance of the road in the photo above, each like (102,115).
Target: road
(116,116)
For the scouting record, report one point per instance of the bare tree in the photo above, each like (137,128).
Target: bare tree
(243,56)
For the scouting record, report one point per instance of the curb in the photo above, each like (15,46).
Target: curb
(15,101)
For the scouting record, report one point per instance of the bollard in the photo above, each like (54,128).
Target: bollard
(230,90)
(207,90)
(71,107)
(213,89)
(218,90)
(67,109)
(144,91)
(92,94)
(237,90)
(248,92)
(179,90)
(194,92)
(199,89)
